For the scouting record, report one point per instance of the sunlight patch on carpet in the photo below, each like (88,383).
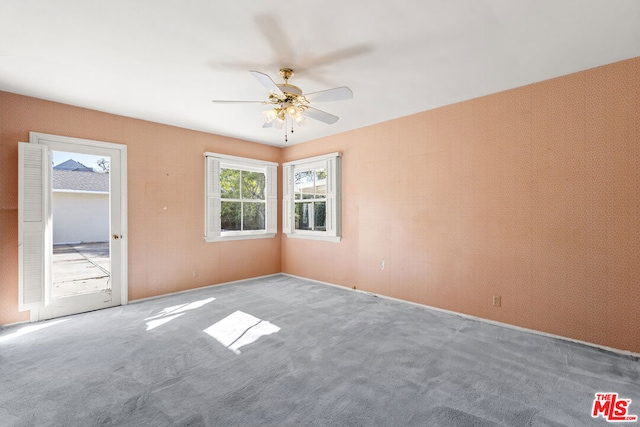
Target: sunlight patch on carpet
(152,324)
(240,329)
(168,314)
(181,308)
(31,328)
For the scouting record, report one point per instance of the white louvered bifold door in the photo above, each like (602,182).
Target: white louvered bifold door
(33,219)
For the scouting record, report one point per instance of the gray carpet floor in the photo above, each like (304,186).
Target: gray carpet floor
(281,351)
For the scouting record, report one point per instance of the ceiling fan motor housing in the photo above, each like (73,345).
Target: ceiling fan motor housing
(290,89)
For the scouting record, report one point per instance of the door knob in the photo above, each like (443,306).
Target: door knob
(115,237)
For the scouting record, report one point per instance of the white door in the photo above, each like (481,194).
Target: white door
(59,297)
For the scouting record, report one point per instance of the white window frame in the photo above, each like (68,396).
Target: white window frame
(331,163)
(214,162)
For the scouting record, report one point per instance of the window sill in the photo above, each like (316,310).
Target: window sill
(333,239)
(209,239)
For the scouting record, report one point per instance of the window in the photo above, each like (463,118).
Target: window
(311,199)
(243,201)
(240,198)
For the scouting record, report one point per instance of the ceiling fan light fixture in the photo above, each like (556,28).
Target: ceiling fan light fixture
(300,120)
(269,115)
(290,102)
(275,117)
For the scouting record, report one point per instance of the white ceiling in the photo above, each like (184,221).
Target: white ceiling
(165,60)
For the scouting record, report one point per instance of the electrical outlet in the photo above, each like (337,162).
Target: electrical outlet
(196,273)
(496,301)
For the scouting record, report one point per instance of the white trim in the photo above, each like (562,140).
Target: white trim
(41,138)
(241,167)
(239,160)
(81,145)
(124,226)
(303,235)
(313,159)
(478,319)
(136,301)
(79,191)
(23,322)
(227,237)
(428,307)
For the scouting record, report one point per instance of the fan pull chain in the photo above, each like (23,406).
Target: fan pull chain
(285,130)
(286,124)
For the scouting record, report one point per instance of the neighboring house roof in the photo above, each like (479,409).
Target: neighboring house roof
(72,165)
(80,180)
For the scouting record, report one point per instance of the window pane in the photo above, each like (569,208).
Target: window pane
(320,216)
(303,184)
(302,216)
(230,183)
(253,185)
(254,216)
(231,216)
(303,176)
(321,184)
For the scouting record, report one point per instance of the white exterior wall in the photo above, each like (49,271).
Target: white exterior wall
(80,217)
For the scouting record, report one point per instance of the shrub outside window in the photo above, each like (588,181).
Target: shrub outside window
(240,198)
(243,200)
(311,202)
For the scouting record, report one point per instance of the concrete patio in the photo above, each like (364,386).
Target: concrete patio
(80,268)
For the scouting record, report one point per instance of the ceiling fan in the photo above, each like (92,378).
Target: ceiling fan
(289,103)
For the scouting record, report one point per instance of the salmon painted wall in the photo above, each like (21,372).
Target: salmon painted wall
(531,194)
(165,169)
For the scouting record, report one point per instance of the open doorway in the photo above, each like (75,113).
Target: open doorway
(80,221)
(90,242)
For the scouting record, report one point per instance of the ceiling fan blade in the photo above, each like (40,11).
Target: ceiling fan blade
(281,43)
(335,94)
(221,101)
(267,82)
(338,56)
(320,115)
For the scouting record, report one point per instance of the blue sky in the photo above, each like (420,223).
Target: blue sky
(86,159)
